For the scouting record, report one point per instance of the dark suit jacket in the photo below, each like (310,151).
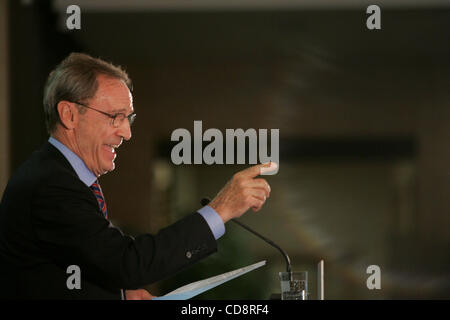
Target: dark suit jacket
(49,220)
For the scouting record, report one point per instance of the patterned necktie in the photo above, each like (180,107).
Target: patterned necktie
(99,195)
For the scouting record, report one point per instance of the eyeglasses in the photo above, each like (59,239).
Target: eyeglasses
(117,119)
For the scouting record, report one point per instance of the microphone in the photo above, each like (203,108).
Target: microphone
(206,201)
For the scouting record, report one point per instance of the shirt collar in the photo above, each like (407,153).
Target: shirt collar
(77,164)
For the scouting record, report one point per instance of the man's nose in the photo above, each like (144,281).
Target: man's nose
(124,130)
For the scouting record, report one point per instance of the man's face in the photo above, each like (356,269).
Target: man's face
(95,136)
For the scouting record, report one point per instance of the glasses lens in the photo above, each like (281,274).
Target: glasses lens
(118,119)
(131,118)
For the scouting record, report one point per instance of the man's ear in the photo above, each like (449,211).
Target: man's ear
(67,114)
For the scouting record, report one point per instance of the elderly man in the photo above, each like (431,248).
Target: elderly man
(53,214)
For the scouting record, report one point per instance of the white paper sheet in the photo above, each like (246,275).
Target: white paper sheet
(191,290)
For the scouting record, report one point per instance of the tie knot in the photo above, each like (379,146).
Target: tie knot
(95,186)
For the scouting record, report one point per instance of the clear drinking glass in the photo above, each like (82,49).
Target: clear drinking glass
(294,285)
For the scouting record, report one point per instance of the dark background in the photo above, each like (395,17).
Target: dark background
(364,131)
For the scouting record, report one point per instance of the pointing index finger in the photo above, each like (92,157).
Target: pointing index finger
(259,169)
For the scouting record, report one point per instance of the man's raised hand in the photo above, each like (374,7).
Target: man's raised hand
(242,192)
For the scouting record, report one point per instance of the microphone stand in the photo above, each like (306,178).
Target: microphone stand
(273,244)
(206,201)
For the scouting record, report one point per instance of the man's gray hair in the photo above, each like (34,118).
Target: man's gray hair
(75,80)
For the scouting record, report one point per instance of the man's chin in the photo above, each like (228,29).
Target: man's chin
(112,167)
(109,168)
